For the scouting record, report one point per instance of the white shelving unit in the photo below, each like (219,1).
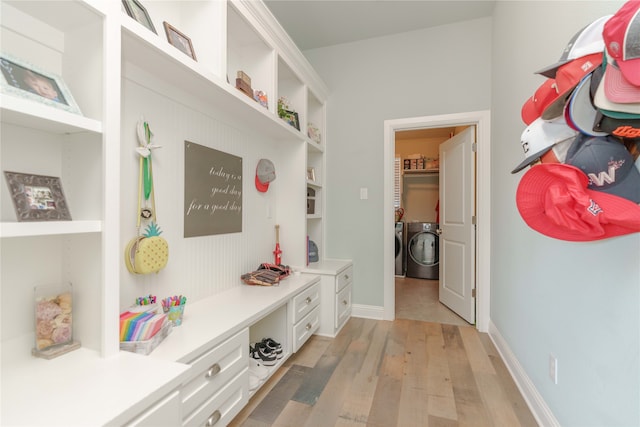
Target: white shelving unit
(111,62)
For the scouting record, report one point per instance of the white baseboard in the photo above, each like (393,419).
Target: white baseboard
(536,403)
(367,311)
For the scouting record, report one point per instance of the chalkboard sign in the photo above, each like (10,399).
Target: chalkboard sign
(212,191)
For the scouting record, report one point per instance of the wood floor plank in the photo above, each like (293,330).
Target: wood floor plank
(328,407)
(357,403)
(314,384)
(254,423)
(469,405)
(441,402)
(385,406)
(477,355)
(293,415)
(311,352)
(414,397)
(273,403)
(441,422)
(256,399)
(512,394)
(494,398)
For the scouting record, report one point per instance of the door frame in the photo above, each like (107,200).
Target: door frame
(482,121)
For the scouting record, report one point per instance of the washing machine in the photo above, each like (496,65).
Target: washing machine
(422,250)
(400,252)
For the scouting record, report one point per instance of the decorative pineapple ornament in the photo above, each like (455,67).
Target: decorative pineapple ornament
(148,252)
(152,253)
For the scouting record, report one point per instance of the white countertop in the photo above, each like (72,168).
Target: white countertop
(325,266)
(213,319)
(81,388)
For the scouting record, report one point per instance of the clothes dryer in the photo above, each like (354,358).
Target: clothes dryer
(400,250)
(423,253)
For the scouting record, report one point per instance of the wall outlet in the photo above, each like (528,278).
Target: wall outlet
(553,368)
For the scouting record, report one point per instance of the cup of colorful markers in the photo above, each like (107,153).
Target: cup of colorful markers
(174,307)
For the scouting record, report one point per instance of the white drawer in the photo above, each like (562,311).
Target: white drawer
(222,407)
(211,371)
(305,301)
(343,306)
(164,413)
(305,328)
(344,278)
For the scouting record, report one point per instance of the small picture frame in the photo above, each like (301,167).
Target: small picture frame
(24,80)
(137,11)
(179,40)
(37,197)
(292,118)
(311,174)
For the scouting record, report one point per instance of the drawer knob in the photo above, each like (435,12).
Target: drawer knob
(346,276)
(308,300)
(213,419)
(345,302)
(213,370)
(308,327)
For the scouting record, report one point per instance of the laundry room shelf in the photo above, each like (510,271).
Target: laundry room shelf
(420,172)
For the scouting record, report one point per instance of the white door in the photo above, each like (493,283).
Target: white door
(457,231)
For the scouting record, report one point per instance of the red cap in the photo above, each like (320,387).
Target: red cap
(533,107)
(567,78)
(621,34)
(554,200)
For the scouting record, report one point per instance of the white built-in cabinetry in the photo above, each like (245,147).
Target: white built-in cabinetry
(107,59)
(336,282)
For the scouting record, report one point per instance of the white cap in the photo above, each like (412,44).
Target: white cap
(540,136)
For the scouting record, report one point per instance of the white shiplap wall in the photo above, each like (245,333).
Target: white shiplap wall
(199,266)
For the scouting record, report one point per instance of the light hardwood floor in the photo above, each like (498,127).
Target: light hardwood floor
(417,299)
(382,374)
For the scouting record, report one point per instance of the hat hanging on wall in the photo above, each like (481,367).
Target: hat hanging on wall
(555,200)
(265,173)
(608,164)
(621,36)
(313,251)
(540,136)
(585,42)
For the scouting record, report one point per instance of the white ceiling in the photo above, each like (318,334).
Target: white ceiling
(319,23)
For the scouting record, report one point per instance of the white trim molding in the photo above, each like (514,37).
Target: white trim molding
(536,403)
(367,311)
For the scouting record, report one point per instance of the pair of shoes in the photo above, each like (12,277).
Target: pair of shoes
(274,346)
(258,369)
(261,353)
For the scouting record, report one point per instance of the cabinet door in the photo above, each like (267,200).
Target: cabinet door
(214,369)
(343,306)
(305,328)
(220,409)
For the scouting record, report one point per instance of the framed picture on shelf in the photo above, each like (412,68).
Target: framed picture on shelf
(137,11)
(311,174)
(37,197)
(27,81)
(179,40)
(292,119)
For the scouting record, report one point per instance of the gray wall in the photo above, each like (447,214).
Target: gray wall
(579,301)
(405,75)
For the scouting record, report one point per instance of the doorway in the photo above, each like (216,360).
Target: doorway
(481,120)
(421,292)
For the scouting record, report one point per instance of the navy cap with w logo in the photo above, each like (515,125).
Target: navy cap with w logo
(608,165)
